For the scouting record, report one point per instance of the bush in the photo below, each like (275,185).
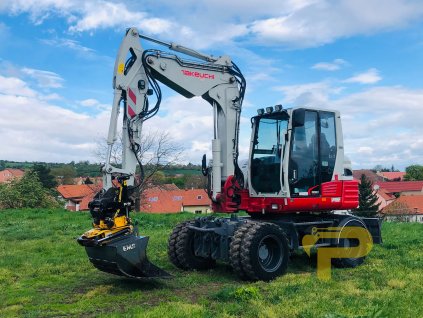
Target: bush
(27,192)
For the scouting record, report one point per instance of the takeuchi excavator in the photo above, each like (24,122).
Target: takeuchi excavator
(294,182)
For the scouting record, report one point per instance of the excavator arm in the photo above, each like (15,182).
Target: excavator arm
(217,80)
(136,75)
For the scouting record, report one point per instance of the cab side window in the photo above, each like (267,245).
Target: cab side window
(304,161)
(327,145)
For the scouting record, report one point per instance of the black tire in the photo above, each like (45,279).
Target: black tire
(171,247)
(181,249)
(264,251)
(345,242)
(235,249)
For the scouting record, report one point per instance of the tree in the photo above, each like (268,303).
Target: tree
(158,178)
(380,168)
(157,152)
(414,173)
(44,175)
(368,205)
(67,173)
(88,181)
(393,169)
(27,192)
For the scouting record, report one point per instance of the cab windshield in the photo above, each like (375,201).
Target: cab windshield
(267,154)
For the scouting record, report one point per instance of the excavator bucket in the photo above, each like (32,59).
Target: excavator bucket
(124,256)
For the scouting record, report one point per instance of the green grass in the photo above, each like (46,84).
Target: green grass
(45,273)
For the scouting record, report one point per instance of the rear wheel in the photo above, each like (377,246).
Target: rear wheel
(181,249)
(235,249)
(348,242)
(264,252)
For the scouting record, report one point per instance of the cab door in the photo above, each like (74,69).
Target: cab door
(304,160)
(312,152)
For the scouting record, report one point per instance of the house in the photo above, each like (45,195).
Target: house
(162,200)
(95,180)
(9,174)
(391,176)
(384,198)
(77,197)
(397,188)
(405,208)
(370,175)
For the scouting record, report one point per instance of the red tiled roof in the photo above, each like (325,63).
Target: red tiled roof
(83,205)
(73,191)
(157,200)
(392,175)
(385,195)
(411,204)
(372,176)
(169,187)
(195,197)
(401,186)
(8,174)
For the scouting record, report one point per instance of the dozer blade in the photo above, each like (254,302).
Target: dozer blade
(125,256)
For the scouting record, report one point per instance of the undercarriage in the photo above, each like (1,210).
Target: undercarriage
(257,248)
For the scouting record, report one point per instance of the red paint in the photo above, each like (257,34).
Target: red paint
(131,112)
(132,96)
(335,195)
(197,74)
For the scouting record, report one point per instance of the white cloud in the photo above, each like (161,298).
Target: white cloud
(39,10)
(34,129)
(93,103)
(371,76)
(104,14)
(310,94)
(365,150)
(89,102)
(330,66)
(188,121)
(322,22)
(381,125)
(15,87)
(70,44)
(45,79)
(291,23)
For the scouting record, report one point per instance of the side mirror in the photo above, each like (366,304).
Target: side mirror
(298,117)
(204,169)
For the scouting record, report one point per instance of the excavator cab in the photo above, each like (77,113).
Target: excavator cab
(113,244)
(294,151)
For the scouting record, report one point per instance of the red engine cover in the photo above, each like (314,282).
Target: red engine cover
(334,195)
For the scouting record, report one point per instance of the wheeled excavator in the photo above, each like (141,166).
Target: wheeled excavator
(294,181)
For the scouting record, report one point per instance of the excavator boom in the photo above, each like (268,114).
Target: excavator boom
(113,244)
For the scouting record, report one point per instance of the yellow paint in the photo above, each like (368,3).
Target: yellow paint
(326,254)
(121,67)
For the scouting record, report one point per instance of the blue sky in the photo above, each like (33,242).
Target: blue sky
(363,58)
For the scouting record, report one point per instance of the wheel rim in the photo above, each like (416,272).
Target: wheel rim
(270,253)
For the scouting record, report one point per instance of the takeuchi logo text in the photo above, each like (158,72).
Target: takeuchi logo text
(197,74)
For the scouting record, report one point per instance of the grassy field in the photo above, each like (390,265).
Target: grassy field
(45,273)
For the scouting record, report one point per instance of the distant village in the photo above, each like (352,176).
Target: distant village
(398,200)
